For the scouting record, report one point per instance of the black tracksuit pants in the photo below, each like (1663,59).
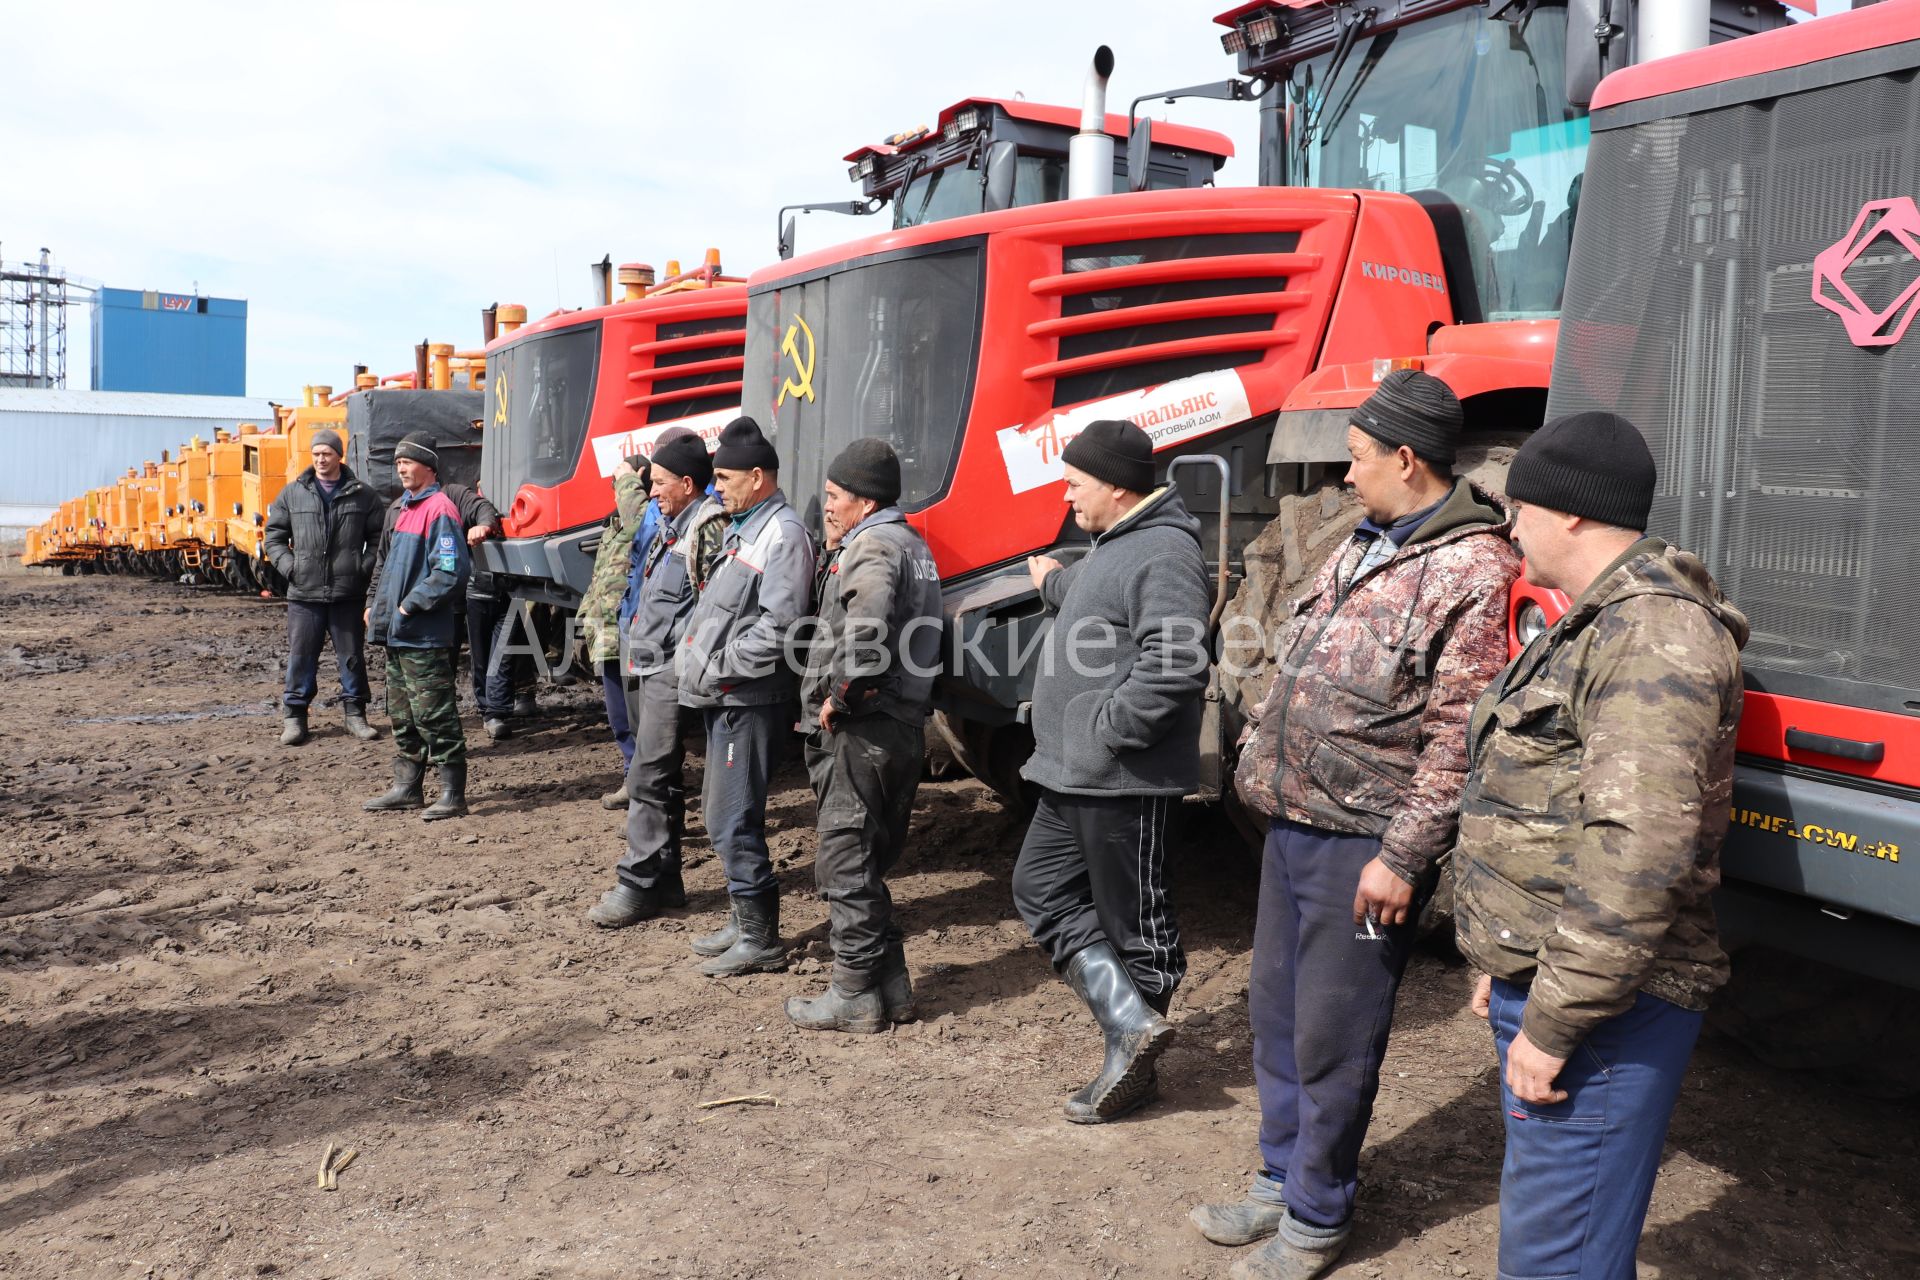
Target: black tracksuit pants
(864,777)
(1093,869)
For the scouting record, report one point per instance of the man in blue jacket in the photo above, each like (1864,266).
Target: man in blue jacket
(423,566)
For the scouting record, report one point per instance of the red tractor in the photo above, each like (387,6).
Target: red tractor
(1420,165)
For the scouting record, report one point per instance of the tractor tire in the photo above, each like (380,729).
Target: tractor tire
(1795,1014)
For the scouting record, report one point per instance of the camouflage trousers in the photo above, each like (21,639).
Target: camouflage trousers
(422,704)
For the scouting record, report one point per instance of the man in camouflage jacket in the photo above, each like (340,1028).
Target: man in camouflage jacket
(1356,759)
(1590,834)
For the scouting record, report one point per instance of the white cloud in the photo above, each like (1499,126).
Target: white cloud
(368,175)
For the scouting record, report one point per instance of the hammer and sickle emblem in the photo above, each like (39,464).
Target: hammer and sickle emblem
(500,400)
(790,348)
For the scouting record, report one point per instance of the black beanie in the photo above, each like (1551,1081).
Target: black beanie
(742,448)
(868,468)
(1115,451)
(419,447)
(1590,464)
(1414,409)
(685,455)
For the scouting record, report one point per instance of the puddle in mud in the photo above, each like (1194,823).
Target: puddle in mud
(181,717)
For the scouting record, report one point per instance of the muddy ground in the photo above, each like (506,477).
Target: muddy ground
(214,965)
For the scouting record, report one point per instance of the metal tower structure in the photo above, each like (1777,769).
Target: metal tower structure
(33,324)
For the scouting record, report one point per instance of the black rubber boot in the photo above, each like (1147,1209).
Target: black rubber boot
(498,730)
(356,716)
(759,949)
(405,792)
(721,940)
(452,800)
(858,1012)
(525,705)
(1135,1037)
(896,984)
(293,727)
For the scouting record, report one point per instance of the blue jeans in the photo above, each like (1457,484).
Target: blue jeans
(489,624)
(1579,1174)
(613,691)
(1321,1003)
(309,623)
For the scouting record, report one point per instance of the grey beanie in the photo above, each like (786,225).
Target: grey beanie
(419,447)
(868,468)
(329,438)
(1414,409)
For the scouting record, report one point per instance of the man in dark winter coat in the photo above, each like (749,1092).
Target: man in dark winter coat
(323,536)
(1116,726)
(863,705)
(1356,760)
(733,667)
(423,566)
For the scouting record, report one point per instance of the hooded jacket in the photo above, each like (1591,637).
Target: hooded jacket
(1591,826)
(1117,704)
(599,612)
(325,550)
(876,644)
(1364,729)
(423,570)
(735,651)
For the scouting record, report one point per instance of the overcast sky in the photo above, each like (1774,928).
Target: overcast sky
(367,175)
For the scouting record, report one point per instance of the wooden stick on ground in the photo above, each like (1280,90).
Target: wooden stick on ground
(326,1162)
(749,1099)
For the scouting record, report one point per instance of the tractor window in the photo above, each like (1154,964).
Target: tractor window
(1466,105)
(539,396)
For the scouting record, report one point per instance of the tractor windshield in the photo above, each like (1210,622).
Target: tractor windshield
(956,190)
(1463,106)
(539,395)
(879,349)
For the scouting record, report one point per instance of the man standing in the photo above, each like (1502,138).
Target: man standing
(423,565)
(1116,727)
(1356,760)
(626,538)
(323,534)
(864,695)
(733,667)
(648,874)
(1590,835)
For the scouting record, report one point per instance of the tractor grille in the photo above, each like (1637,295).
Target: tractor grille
(1786,450)
(1135,313)
(707,354)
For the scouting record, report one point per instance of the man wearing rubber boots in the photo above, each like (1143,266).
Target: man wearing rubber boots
(323,535)
(734,669)
(1355,760)
(648,874)
(1590,834)
(1116,726)
(864,695)
(423,566)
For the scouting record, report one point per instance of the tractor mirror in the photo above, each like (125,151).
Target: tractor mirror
(1598,42)
(1139,155)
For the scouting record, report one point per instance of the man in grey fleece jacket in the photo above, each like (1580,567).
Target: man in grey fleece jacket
(733,667)
(1116,726)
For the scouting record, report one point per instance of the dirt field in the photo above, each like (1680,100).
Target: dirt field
(214,965)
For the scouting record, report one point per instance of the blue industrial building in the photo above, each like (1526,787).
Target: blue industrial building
(172,342)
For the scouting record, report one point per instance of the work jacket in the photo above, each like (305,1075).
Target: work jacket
(1119,694)
(665,598)
(1591,826)
(735,651)
(326,550)
(875,646)
(1364,729)
(423,571)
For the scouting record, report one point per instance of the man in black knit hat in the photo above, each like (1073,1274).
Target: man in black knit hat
(1589,849)
(1116,727)
(863,705)
(1355,760)
(733,668)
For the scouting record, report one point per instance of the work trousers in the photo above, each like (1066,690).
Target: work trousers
(656,783)
(1092,869)
(1579,1174)
(1321,1004)
(864,776)
(613,692)
(490,621)
(744,747)
(423,707)
(309,624)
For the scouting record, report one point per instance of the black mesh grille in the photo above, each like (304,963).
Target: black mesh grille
(1785,450)
(674,409)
